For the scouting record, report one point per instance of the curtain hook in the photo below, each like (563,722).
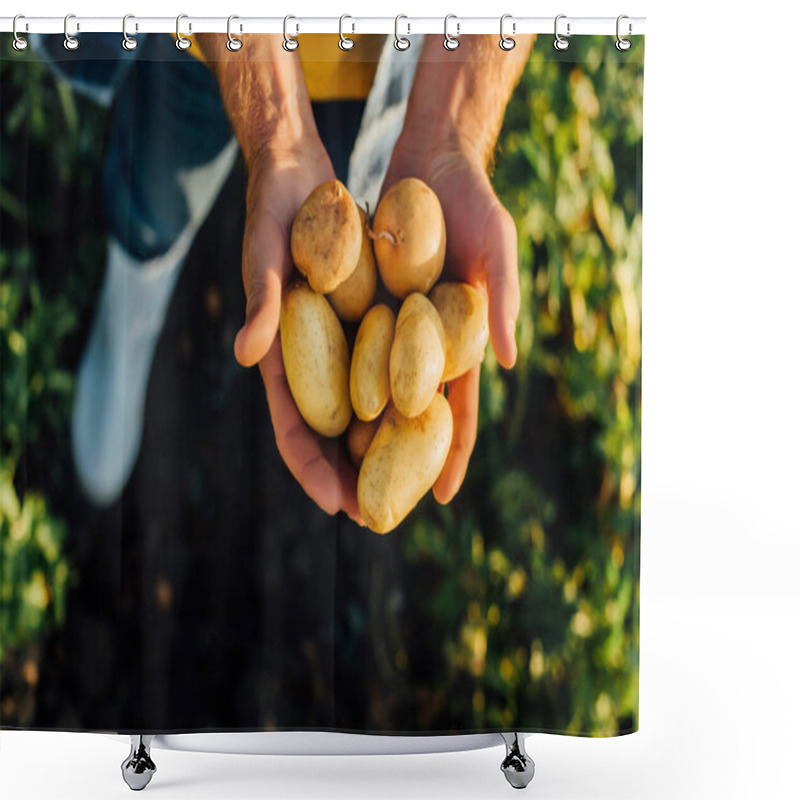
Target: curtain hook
(19,43)
(128,42)
(290,44)
(181,42)
(345,42)
(623,44)
(70,42)
(506,42)
(560,42)
(451,42)
(400,42)
(233,44)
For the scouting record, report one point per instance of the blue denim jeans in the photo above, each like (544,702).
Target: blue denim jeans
(166,117)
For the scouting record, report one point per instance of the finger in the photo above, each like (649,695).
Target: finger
(462,394)
(301,451)
(317,464)
(502,280)
(266,267)
(261,320)
(349,480)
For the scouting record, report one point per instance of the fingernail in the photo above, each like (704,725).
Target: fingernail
(511,327)
(238,336)
(237,346)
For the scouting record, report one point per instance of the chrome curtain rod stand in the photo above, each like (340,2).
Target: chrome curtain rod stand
(138,768)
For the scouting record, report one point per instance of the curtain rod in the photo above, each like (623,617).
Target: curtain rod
(567,26)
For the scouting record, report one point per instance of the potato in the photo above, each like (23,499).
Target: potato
(316,359)
(415,303)
(416,360)
(326,236)
(402,463)
(464,312)
(409,237)
(359,436)
(351,299)
(369,371)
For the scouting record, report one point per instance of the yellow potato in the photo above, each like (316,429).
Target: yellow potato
(351,299)
(316,359)
(415,303)
(326,236)
(409,237)
(359,436)
(416,361)
(402,463)
(464,312)
(369,371)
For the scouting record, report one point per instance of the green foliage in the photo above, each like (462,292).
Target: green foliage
(34,574)
(33,400)
(37,319)
(538,576)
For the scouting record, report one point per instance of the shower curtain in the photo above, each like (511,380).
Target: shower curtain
(218,510)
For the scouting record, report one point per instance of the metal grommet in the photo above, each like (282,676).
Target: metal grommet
(19,44)
(345,42)
(560,43)
(181,42)
(290,44)
(506,42)
(128,42)
(400,42)
(451,42)
(70,42)
(623,44)
(233,44)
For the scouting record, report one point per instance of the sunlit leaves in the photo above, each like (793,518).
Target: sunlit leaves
(546,580)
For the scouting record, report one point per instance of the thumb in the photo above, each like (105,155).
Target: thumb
(502,280)
(265,263)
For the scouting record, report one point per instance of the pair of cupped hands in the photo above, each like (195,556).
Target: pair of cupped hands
(481,250)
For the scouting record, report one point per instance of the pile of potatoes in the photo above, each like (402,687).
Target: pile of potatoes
(411,336)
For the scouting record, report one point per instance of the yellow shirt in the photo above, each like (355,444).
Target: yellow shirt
(330,72)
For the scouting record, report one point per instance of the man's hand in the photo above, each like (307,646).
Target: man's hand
(454,116)
(276,189)
(271,114)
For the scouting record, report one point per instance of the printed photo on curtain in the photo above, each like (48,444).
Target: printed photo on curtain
(320,384)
